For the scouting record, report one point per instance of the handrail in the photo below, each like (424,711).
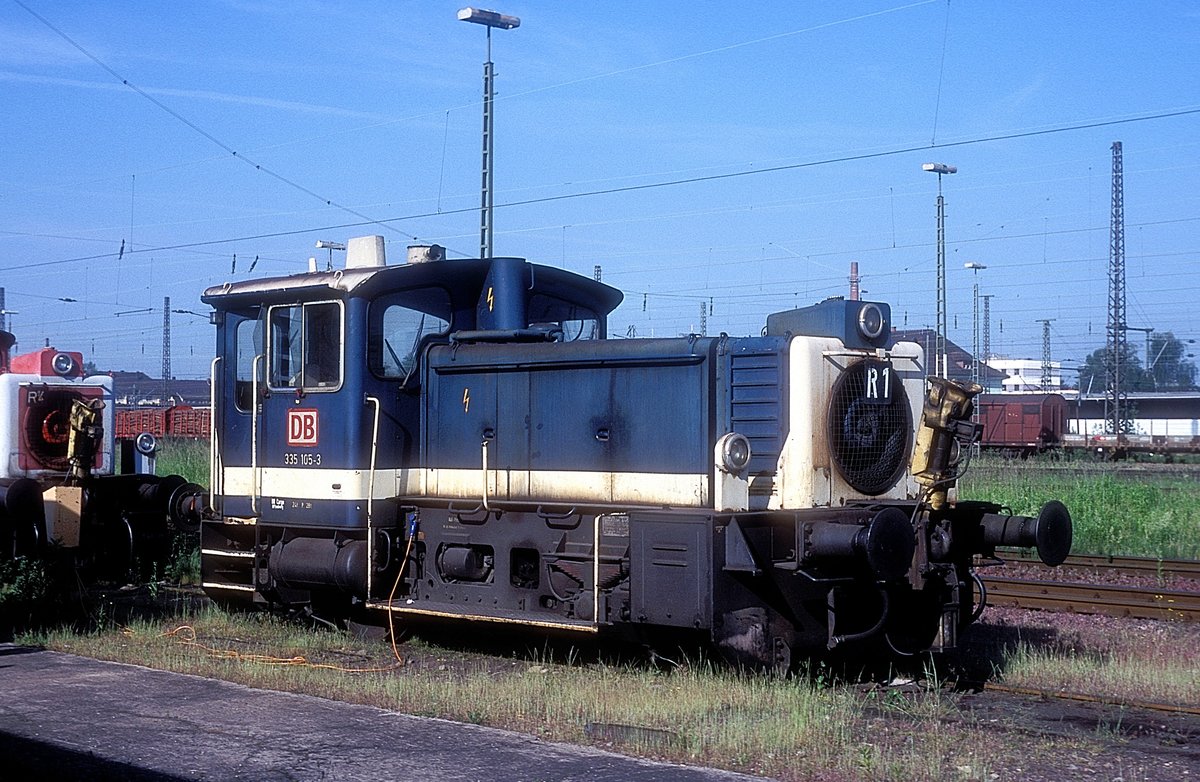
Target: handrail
(374,449)
(485,477)
(596,569)
(254,476)
(214,428)
(371,489)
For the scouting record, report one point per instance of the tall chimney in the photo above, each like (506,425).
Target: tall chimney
(853,280)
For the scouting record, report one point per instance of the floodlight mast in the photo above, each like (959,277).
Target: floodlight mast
(975,361)
(943,361)
(488,19)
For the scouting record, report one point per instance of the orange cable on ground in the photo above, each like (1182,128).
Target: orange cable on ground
(186,636)
(392,595)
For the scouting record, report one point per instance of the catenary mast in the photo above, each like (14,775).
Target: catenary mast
(1116,398)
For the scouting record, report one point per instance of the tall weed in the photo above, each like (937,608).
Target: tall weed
(189,458)
(1143,514)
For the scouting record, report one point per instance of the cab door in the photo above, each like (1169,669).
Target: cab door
(240,354)
(308,460)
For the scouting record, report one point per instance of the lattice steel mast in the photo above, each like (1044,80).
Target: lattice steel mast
(166,367)
(986,350)
(1116,397)
(1047,365)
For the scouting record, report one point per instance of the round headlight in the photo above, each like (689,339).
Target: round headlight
(63,364)
(146,444)
(735,452)
(870,321)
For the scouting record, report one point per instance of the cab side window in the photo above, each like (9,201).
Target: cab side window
(305,348)
(398,324)
(248,340)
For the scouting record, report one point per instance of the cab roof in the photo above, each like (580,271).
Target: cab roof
(462,279)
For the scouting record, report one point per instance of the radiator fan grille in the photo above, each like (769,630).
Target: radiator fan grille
(868,438)
(46,429)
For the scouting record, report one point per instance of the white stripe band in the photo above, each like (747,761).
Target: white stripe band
(321,483)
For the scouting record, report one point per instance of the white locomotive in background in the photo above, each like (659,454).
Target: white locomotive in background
(60,490)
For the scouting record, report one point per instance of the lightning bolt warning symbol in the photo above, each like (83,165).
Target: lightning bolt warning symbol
(466,400)
(491,300)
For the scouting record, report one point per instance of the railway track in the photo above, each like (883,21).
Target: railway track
(1118,601)
(1133,472)
(1147,597)
(1083,697)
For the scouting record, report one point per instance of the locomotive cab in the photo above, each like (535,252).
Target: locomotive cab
(318,403)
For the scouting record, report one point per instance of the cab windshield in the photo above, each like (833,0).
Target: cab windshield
(305,347)
(575,321)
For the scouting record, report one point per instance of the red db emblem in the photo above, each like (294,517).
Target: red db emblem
(302,427)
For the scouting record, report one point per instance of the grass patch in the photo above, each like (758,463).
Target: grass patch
(1118,660)
(1115,513)
(1124,675)
(181,456)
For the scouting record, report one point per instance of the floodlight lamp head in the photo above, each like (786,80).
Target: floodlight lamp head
(488,18)
(938,168)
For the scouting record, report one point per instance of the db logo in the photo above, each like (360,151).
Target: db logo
(302,426)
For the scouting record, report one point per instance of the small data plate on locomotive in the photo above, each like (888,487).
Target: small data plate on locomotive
(615,525)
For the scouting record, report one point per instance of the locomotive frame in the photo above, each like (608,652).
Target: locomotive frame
(458,440)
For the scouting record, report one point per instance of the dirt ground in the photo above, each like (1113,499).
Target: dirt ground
(1113,742)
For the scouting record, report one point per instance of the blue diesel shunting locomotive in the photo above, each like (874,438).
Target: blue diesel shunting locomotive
(458,439)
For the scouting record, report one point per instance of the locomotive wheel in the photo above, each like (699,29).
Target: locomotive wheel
(238,603)
(24,537)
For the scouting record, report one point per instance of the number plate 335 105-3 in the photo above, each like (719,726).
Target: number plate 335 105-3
(302,459)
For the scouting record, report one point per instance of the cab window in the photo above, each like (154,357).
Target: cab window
(248,340)
(397,327)
(576,322)
(305,348)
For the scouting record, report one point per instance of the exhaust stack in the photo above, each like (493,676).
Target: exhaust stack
(365,252)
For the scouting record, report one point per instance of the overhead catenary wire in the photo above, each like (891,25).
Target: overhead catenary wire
(616,270)
(937,105)
(646,186)
(527,92)
(198,129)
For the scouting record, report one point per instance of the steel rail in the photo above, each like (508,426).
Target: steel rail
(1172,708)
(1118,601)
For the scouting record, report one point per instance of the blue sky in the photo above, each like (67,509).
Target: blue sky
(768,145)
